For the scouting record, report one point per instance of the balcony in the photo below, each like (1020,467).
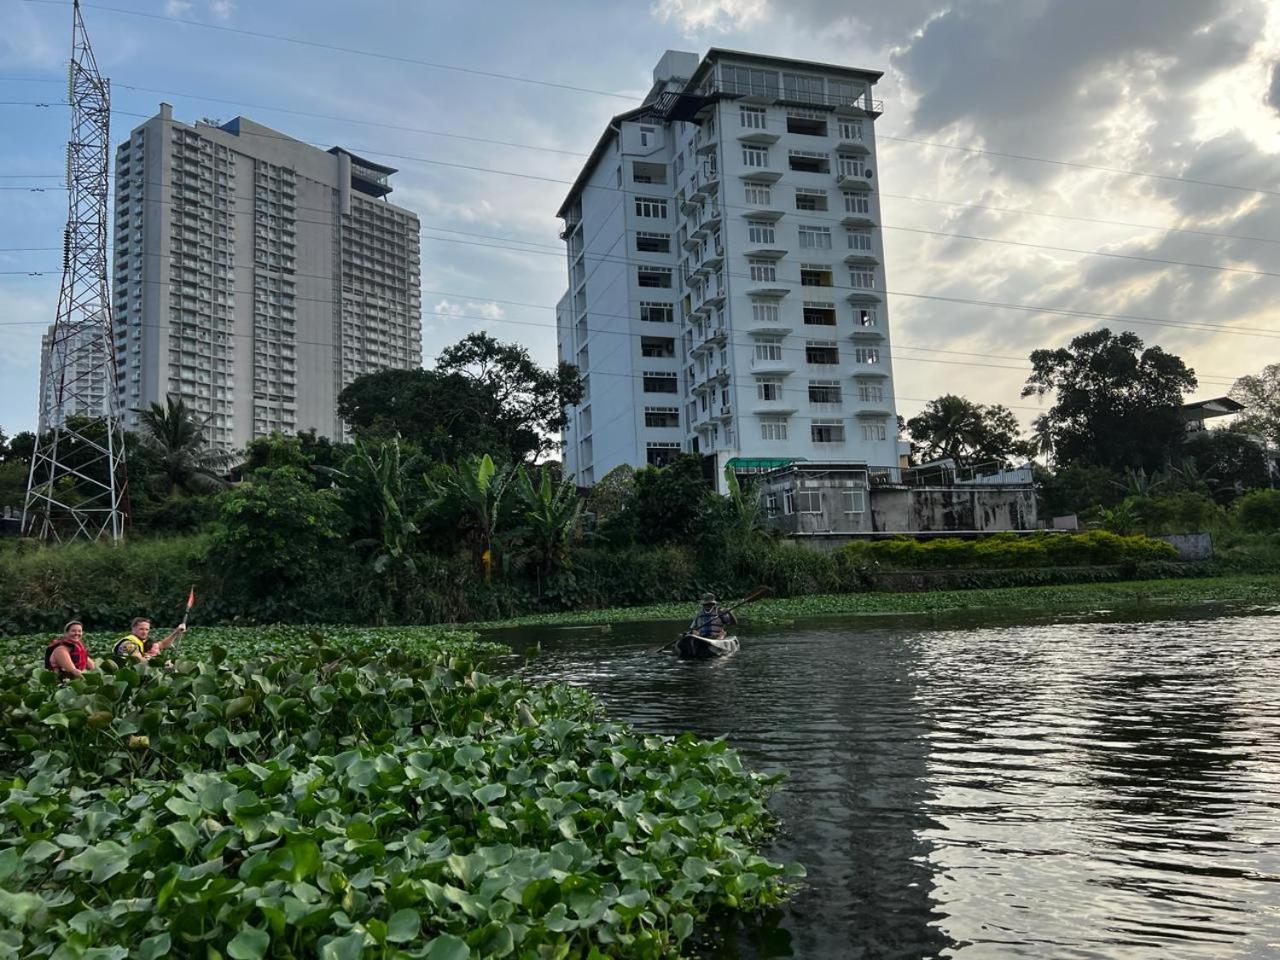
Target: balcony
(758,175)
(862,258)
(768,290)
(857,220)
(769,365)
(764,252)
(844,145)
(773,408)
(873,409)
(759,138)
(863,296)
(756,92)
(855,181)
(726,412)
(866,334)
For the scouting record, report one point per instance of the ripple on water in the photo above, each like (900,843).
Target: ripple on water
(1085,789)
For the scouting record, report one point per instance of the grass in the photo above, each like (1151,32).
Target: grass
(1233,589)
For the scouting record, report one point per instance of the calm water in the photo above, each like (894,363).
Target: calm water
(964,788)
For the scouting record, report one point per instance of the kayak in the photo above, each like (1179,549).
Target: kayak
(693,647)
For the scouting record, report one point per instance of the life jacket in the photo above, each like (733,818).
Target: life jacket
(127,648)
(705,622)
(79,653)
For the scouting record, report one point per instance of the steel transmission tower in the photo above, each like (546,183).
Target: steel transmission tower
(77,483)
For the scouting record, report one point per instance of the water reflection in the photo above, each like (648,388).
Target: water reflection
(1097,789)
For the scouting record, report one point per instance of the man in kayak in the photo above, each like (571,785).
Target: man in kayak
(136,647)
(711,621)
(67,656)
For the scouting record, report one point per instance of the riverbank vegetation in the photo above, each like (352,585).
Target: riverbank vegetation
(347,793)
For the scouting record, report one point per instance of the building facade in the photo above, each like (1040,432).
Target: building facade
(255,276)
(726,273)
(84,364)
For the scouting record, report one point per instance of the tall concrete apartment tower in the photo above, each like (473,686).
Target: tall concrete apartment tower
(256,276)
(726,278)
(82,363)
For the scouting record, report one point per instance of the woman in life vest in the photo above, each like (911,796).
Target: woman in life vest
(67,656)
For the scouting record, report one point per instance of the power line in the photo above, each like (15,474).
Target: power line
(337,48)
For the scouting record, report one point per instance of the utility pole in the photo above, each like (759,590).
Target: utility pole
(76,489)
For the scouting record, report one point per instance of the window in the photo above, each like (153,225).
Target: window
(759,195)
(807,501)
(815,238)
(858,203)
(662,416)
(862,279)
(769,389)
(866,317)
(753,118)
(854,501)
(763,271)
(760,231)
(657,347)
(749,82)
(653,276)
(851,166)
(757,157)
(810,199)
(819,314)
(870,393)
(815,275)
(648,135)
(657,381)
(809,123)
(824,391)
(773,428)
(860,240)
(660,454)
(874,431)
(764,312)
(826,431)
(654,207)
(851,130)
(821,351)
(843,91)
(651,312)
(653,242)
(798,86)
(867,354)
(808,161)
(768,350)
(643,172)
(771,500)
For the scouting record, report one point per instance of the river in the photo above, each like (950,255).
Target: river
(1099,786)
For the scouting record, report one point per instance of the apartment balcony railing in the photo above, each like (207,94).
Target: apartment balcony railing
(767,91)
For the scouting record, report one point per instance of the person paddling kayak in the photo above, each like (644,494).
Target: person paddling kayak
(711,620)
(67,655)
(136,646)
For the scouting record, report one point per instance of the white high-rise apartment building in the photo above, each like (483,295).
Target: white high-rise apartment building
(256,276)
(84,373)
(726,273)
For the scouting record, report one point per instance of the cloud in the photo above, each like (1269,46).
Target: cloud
(1273,94)
(713,16)
(178,8)
(24,43)
(222,9)
(480,310)
(218,9)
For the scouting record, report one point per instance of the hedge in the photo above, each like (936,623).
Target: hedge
(1009,551)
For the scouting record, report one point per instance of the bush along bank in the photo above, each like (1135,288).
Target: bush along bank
(40,589)
(340,802)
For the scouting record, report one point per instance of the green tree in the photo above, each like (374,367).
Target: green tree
(183,459)
(478,487)
(1076,488)
(1227,462)
(551,512)
(278,540)
(306,451)
(670,502)
(373,486)
(1116,404)
(952,427)
(1260,395)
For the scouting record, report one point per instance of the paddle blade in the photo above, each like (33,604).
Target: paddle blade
(191,598)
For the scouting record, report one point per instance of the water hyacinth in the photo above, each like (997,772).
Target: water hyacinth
(345,801)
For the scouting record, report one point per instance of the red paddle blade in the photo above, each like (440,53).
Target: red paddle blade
(191,598)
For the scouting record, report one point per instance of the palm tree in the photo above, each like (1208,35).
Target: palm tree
(187,461)
(479,488)
(948,427)
(1042,438)
(551,514)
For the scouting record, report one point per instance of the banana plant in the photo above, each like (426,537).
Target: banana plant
(379,502)
(480,488)
(551,514)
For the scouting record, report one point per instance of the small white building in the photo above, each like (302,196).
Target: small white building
(726,274)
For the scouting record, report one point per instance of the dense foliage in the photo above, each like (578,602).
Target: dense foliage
(958,429)
(1010,551)
(360,793)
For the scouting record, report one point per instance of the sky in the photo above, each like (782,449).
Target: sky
(1090,157)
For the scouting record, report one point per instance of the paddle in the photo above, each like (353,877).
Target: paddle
(191,602)
(751,597)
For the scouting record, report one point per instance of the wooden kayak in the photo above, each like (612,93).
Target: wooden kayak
(693,647)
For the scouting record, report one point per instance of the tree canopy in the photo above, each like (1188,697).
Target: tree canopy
(482,397)
(1116,404)
(966,432)
(1260,395)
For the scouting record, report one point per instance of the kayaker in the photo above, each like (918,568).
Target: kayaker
(135,645)
(711,620)
(67,655)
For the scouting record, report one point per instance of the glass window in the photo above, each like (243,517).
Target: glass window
(760,231)
(764,312)
(768,350)
(870,393)
(852,166)
(749,81)
(798,86)
(854,501)
(662,416)
(826,431)
(653,276)
(867,354)
(654,207)
(773,428)
(874,431)
(756,157)
(653,242)
(811,199)
(759,195)
(753,118)
(860,240)
(815,238)
(659,382)
(850,129)
(825,391)
(657,312)
(763,271)
(769,390)
(821,352)
(862,279)
(866,317)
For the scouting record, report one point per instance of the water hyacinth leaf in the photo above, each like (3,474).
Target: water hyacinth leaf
(403,926)
(153,948)
(447,947)
(249,944)
(101,861)
(489,793)
(349,947)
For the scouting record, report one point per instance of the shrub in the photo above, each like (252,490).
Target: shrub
(1259,511)
(1008,551)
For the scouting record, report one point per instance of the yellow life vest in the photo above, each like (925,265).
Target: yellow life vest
(130,647)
